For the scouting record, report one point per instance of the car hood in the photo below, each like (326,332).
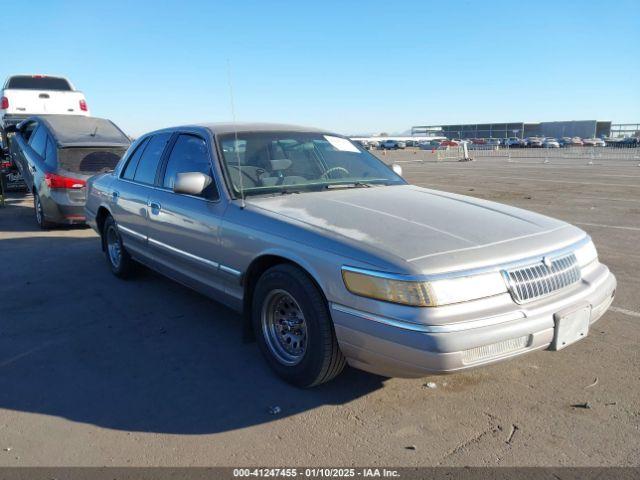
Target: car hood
(428,230)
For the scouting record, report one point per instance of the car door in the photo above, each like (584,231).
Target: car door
(130,192)
(184,229)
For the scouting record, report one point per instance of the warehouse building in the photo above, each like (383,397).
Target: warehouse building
(571,128)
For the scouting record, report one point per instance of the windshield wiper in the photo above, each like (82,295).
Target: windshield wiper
(349,185)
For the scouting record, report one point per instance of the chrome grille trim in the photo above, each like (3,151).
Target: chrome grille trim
(537,280)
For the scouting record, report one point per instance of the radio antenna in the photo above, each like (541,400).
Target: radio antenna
(235,132)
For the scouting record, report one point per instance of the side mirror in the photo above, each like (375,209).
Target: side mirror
(191,183)
(397,169)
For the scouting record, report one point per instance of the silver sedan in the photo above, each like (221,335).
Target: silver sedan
(333,258)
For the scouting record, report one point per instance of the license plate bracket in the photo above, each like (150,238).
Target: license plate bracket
(570,327)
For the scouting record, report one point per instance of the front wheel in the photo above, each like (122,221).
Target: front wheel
(293,327)
(118,259)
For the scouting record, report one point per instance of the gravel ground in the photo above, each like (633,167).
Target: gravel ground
(97,371)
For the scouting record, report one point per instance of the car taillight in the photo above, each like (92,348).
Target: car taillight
(58,181)
(83,105)
(4,103)
(5,164)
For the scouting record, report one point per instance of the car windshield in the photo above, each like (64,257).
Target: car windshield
(285,161)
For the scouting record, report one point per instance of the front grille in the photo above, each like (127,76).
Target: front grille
(540,279)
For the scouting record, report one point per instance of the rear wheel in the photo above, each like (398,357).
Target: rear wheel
(293,327)
(39,212)
(118,259)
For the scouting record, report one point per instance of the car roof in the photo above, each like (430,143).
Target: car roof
(224,128)
(78,130)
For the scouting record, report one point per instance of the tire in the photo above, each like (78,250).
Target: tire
(120,262)
(282,293)
(39,213)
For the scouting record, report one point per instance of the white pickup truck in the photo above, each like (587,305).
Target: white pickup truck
(27,95)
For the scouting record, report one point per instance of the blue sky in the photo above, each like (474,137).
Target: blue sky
(352,67)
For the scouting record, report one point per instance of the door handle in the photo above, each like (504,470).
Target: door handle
(155,207)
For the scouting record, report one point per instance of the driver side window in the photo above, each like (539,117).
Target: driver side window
(190,154)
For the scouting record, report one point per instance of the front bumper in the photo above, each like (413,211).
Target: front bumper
(395,348)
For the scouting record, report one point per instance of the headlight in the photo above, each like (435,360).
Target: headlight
(391,288)
(586,254)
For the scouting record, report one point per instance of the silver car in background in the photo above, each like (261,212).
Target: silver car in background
(333,258)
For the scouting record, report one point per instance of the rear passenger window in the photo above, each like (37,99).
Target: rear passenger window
(190,154)
(148,164)
(50,154)
(38,141)
(132,164)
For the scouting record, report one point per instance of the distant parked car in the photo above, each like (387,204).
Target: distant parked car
(449,143)
(593,142)
(550,143)
(392,145)
(429,145)
(534,142)
(56,154)
(493,143)
(571,142)
(513,142)
(627,142)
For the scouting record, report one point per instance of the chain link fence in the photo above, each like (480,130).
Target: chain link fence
(627,154)
(588,153)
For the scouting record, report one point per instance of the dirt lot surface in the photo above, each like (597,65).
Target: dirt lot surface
(99,371)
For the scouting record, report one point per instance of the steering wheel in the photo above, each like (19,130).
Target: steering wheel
(336,169)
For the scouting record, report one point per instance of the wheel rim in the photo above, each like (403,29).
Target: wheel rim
(113,247)
(38,209)
(284,327)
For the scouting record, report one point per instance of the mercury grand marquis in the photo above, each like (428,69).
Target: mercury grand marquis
(333,258)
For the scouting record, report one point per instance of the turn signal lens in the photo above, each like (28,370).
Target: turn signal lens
(386,289)
(586,254)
